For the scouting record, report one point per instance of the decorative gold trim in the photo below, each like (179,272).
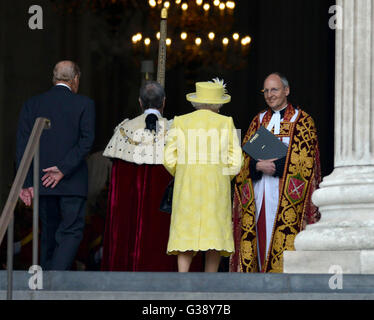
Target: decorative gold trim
(122,131)
(164,13)
(143,142)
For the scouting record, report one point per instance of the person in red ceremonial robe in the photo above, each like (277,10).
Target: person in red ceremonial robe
(136,232)
(272,201)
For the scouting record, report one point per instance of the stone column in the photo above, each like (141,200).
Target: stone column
(345,234)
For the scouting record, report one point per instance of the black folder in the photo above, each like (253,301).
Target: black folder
(264,145)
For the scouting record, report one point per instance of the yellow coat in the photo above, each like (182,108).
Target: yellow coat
(203,153)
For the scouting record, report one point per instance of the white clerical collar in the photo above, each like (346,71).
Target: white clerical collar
(275,121)
(278,111)
(64,85)
(154,111)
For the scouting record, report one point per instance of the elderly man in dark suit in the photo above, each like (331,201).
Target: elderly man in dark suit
(63,173)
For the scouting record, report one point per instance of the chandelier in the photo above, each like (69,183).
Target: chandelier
(199,32)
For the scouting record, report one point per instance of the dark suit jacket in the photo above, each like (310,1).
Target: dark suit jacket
(66,143)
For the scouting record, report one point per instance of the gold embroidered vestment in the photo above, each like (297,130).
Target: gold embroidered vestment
(301,176)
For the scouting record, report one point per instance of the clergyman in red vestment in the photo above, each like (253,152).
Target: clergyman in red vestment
(272,201)
(136,232)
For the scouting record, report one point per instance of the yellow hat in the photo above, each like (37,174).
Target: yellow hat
(209,92)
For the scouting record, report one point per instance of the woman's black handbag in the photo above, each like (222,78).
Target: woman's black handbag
(167,199)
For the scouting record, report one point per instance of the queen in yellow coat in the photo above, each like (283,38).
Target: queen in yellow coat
(204,154)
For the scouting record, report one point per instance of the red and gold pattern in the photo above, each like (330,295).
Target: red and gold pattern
(300,178)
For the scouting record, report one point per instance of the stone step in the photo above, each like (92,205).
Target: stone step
(87,285)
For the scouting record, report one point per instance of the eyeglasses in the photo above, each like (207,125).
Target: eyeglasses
(271,91)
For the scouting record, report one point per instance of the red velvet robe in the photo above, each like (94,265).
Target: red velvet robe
(136,232)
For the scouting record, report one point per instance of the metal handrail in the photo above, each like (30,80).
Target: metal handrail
(7,215)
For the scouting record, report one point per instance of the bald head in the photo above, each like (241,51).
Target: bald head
(278,77)
(67,72)
(276,90)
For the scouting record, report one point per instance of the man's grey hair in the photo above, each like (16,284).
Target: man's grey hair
(152,95)
(283,79)
(214,107)
(65,71)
